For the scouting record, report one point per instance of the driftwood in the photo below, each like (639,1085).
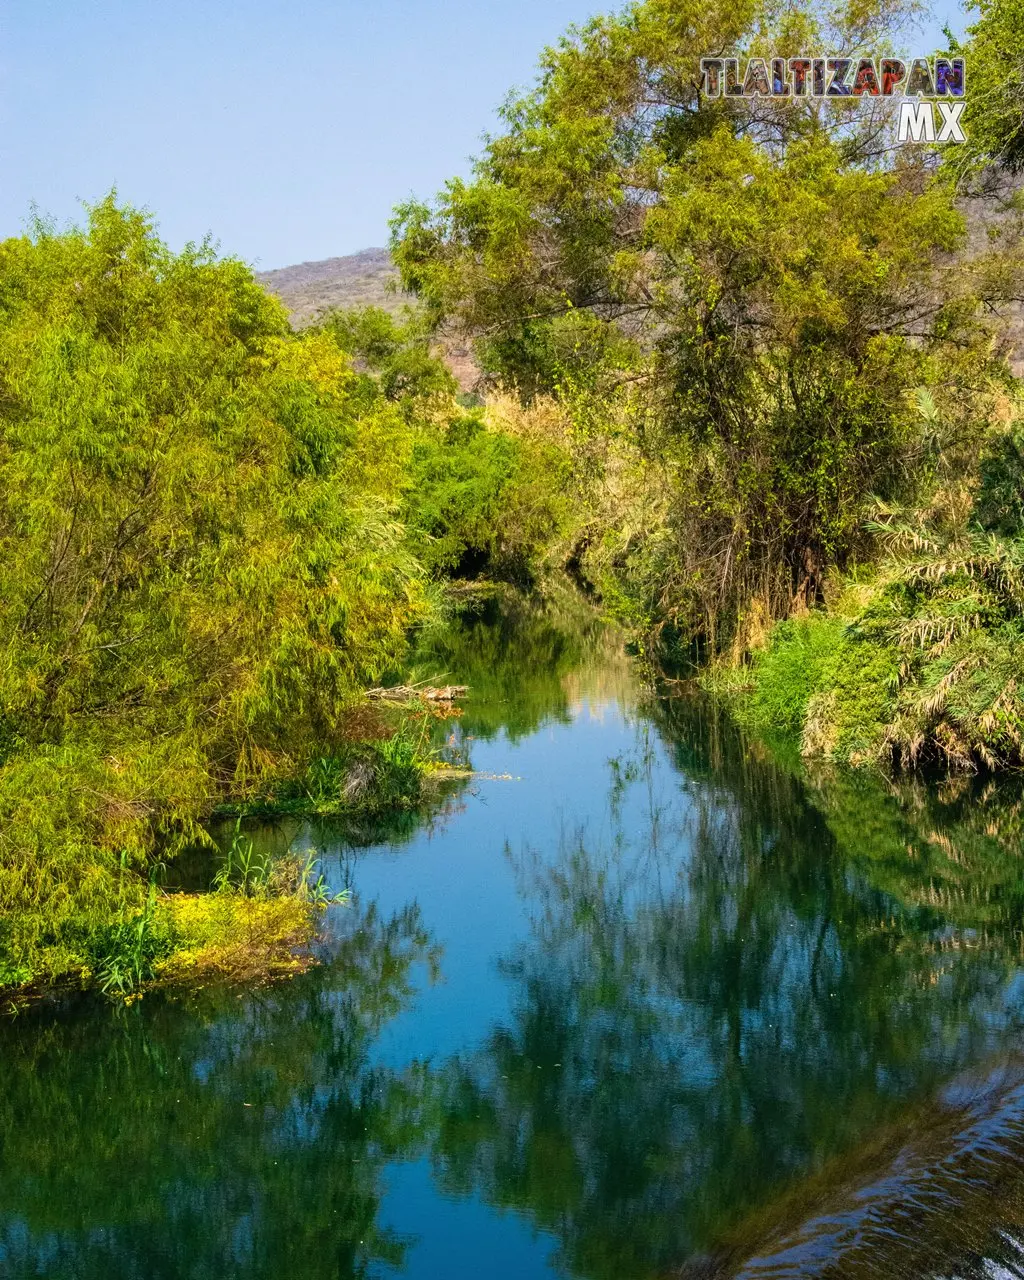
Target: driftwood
(413,693)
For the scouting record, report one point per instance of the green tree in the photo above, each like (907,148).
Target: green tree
(479,498)
(734,301)
(994,114)
(200,565)
(396,352)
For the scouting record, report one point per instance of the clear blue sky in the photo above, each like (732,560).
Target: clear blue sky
(288,130)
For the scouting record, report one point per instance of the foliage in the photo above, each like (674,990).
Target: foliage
(480,496)
(960,633)
(124,954)
(734,304)
(1000,502)
(790,670)
(395,351)
(928,661)
(362,778)
(483,500)
(994,113)
(200,561)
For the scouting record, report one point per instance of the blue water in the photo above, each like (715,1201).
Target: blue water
(642,997)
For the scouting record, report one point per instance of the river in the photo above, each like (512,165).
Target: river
(640,999)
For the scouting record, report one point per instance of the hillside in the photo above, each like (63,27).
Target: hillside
(363,279)
(357,280)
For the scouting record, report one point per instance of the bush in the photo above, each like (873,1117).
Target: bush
(1000,506)
(820,682)
(483,501)
(790,671)
(849,714)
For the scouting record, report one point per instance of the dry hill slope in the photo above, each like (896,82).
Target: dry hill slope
(367,278)
(358,280)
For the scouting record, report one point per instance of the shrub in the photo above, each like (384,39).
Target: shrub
(790,671)
(482,500)
(848,715)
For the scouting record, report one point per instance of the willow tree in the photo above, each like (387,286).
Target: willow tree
(199,565)
(732,298)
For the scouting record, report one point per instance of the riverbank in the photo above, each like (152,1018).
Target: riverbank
(136,924)
(916,661)
(258,916)
(242,916)
(176,940)
(216,535)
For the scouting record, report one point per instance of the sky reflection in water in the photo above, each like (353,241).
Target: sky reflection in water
(654,1004)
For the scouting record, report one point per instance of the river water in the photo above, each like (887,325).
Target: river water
(642,999)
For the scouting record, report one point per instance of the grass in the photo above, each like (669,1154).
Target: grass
(234,937)
(925,666)
(256,924)
(364,778)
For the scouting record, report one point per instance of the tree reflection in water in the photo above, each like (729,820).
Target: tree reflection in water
(740,993)
(226,1136)
(697,1034)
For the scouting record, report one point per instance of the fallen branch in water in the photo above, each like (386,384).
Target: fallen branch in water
(413,693)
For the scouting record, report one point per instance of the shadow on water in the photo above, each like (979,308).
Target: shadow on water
(651,1003)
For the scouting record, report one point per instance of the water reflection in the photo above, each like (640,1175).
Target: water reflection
(526,665)
(219,1137)
(694,1036)
(667,1000)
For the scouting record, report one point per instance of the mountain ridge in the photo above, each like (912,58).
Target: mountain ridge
(366,278)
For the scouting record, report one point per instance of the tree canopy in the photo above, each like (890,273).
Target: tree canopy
(736,302)
(200,562)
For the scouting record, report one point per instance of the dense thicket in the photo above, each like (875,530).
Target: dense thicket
(481,496)
(199,562)
(767,329)
(212,538)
